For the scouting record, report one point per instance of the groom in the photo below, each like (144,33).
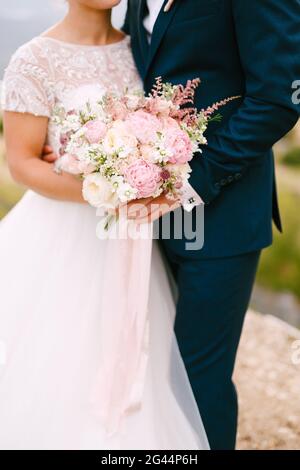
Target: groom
(237,47)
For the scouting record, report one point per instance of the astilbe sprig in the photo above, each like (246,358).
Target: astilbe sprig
(184,95)
(208,112)
(183,98)
(157,88)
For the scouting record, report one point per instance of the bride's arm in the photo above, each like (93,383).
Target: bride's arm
(25,136)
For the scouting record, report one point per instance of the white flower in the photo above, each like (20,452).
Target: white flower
(81,152)
(182,171)
(71,123)
(126,192)
(158,192)
(116,181)
(97,191)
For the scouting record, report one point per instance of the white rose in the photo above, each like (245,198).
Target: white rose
(97,191)
(118,138)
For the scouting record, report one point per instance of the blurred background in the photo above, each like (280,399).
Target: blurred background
(277,291)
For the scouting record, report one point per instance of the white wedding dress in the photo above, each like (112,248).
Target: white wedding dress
(52,267)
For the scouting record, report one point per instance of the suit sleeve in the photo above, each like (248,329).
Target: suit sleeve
(268,37)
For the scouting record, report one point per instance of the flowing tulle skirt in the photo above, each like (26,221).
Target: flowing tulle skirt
(51,270)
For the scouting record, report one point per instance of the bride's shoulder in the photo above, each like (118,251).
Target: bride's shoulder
(27,80)
(31,53)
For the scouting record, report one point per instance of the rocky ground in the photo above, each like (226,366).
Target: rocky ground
(268,380)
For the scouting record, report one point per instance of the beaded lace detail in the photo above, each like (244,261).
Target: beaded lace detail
(46,72)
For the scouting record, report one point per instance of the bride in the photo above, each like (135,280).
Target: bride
(53,267)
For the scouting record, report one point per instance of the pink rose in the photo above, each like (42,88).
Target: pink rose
(143,176)
(95,131)
(178,145)
(144,126)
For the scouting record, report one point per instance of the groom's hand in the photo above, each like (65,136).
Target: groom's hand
(150,209)
(48,154)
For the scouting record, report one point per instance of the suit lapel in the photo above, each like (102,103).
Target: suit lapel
(141,6)
(160,28)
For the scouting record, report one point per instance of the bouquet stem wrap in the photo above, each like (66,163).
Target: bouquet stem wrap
(124,331)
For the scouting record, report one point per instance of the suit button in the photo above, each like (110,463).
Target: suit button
(223,182)
(238,176)
(230,179)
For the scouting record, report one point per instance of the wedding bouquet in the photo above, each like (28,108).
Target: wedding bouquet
(134,146)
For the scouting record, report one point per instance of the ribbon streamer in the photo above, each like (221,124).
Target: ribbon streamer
(124,334)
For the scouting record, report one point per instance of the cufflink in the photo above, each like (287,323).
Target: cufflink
(189,204)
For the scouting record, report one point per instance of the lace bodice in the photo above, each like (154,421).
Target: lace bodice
(46,72)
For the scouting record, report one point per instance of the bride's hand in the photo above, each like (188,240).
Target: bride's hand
(150,209)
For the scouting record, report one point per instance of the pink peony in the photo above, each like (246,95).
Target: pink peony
(95,131)
(144,126)
(143,176)
(178,145)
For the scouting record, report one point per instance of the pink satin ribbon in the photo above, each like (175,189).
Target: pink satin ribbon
(124,334)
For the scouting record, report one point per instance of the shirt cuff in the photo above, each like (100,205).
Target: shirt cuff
(190,198)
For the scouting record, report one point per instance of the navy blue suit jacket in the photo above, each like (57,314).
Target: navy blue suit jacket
(237,47)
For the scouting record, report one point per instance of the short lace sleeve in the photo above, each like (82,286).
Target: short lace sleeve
(26,85)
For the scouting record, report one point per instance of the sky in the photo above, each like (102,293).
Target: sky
(20,20)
